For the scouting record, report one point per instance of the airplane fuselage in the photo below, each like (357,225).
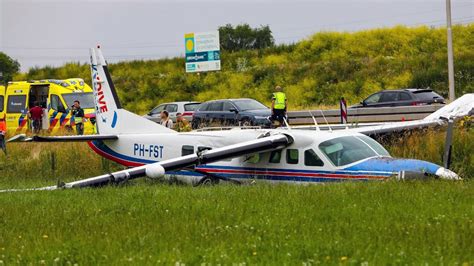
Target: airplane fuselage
(308,159)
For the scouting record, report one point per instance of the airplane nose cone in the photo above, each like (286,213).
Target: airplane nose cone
(447,174)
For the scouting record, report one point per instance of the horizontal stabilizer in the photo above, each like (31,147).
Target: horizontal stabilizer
(24,138)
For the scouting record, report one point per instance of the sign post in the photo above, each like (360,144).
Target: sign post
(343,106)
(202,51)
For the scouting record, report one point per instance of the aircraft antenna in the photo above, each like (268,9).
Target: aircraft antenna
(330,129)
(314,120)
(286,123)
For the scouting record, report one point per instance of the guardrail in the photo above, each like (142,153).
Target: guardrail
(363,115)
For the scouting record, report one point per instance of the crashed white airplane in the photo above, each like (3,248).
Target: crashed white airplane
(277,155)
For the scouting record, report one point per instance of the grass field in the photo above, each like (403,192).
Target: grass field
(148,223)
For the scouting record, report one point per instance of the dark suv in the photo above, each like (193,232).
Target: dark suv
(232,112)
(405,97)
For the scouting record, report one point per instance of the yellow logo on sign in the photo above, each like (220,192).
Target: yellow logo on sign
(189,45)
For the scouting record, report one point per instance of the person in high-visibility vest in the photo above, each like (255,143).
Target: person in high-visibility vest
(182,125)
(279,105)
(78,114)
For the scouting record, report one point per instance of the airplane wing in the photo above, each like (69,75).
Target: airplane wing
(394,127)
(155,170)
(463,106)
(24,138)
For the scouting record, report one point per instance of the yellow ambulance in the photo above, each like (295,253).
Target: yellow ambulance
(2,108)
(55,96)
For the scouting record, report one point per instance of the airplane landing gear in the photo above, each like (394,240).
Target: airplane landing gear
(208,181)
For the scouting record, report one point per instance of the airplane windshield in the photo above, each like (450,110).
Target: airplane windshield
(346,150)
(85,98)
(374,145)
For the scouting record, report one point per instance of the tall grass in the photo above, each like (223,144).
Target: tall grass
(356,223)
(429,145)
(45,163)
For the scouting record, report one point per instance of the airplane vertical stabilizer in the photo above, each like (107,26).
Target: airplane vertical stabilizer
(111,117)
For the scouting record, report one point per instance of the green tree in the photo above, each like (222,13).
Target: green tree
(8,67)
(243,37)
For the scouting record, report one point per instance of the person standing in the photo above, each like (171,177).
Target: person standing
(3,133)
(279,105)
(182,125)
(165,120)
(78,114)
(36,115)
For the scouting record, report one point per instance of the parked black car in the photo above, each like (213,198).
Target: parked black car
(232,112)
(404,97)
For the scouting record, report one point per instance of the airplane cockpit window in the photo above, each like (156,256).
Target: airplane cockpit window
(346,150)
(312,159)
(292,156)
(275,157)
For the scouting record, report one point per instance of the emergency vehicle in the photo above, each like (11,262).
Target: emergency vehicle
(2,109)
(56,96)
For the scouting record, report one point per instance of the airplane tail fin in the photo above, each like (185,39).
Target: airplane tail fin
(462,106)
(111,118)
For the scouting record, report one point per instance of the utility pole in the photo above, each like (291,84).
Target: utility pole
(449,133)
(450,51)
(448,144)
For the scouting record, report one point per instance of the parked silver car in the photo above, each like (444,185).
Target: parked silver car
(186,108)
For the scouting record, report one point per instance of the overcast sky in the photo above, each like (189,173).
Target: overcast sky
(40,32)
